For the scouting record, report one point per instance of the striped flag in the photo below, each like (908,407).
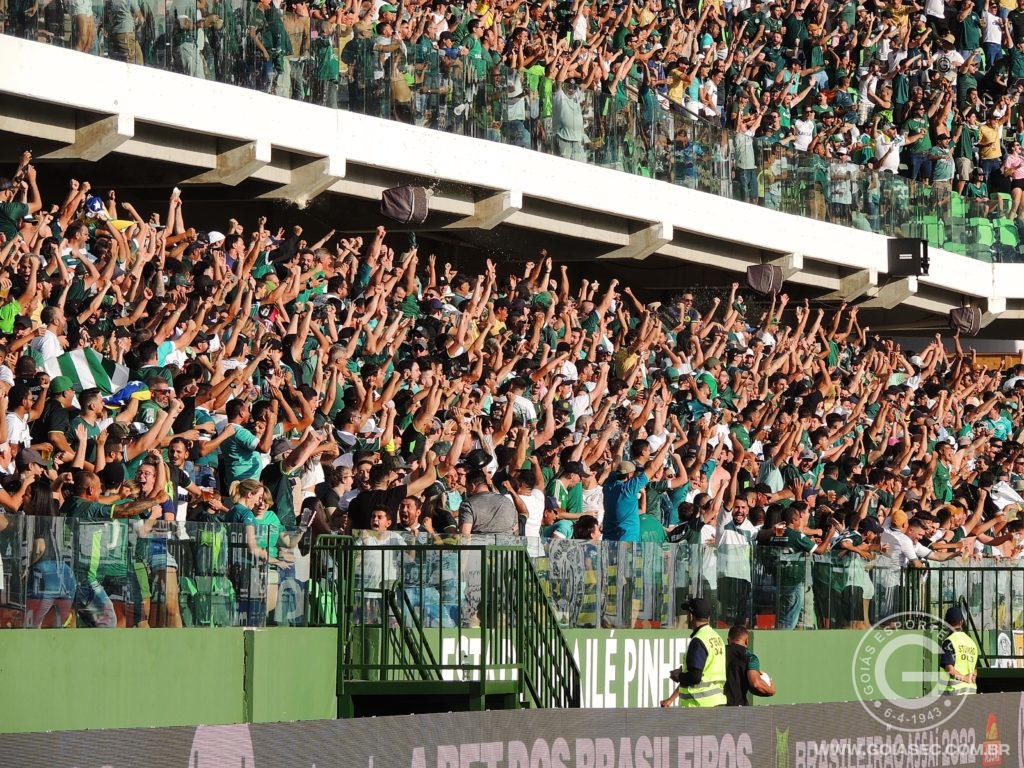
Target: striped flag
(87,368)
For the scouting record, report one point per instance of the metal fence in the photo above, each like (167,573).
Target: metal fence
(59,573)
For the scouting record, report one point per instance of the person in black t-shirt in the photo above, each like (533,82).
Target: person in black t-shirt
(54,425)
(387,490)
(743,673)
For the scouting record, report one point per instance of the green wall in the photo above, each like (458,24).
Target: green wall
(292,674)
(77,679)
(629,668)
(813,667)
(108,678)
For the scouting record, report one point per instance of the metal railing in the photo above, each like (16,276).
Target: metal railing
(60,573)
(426,87)
(404,610)
(55,572)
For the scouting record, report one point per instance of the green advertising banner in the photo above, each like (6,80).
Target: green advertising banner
(618,668)
(629,668)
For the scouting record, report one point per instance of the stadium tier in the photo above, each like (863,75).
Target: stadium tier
(359,478)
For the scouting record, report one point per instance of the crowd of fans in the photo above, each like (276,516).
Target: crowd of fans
(826,102)
(294,387)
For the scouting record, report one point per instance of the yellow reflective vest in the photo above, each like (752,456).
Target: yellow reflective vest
(965,652)
(710,692)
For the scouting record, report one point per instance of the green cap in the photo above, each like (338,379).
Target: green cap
(543,300)
(60,384)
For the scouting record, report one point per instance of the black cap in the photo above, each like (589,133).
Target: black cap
(699,607)
(870,525)
(576,468)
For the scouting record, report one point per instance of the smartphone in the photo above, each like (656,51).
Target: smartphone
(307,516)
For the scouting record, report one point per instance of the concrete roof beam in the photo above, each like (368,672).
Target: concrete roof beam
(491,211)
(892,294)
(309,180)
(97,138)
(236,164)
(644,242)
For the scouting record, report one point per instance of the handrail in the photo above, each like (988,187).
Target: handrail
(410,638)
(567,685)
(387,616)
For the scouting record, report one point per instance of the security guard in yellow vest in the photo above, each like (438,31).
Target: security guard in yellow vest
(703,682)
(959,659)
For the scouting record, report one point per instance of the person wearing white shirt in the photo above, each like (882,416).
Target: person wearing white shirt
(49,345)
(20,400)
(992,39)
(947,60)
(804,130)
(733,536)
(887,148)
(842,177)
(527,495)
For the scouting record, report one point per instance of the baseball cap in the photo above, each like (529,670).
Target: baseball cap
(954,616)
(28,456)
(280,448)
(699,607)
(576,468)
(60,384)
(899,519)
(626,467)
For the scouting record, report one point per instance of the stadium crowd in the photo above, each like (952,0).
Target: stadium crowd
(850,93)
(295,387)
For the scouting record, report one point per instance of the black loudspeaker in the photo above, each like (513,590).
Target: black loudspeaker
(908,256)
(407,205)
(764,278)
(966,320)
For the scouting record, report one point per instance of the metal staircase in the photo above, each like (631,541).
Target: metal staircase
(444,627)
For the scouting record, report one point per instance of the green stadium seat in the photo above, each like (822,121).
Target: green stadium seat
(957,206)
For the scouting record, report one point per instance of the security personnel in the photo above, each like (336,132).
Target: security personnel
(959,659)
(703,682)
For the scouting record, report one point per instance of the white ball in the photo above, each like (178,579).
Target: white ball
(765,678)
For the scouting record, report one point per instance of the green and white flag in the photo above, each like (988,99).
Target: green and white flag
(87,369)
